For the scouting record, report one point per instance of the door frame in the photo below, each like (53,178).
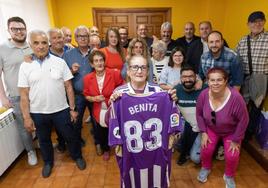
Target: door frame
(130,10)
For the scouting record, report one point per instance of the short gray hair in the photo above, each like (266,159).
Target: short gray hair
(54,30)
(160,46)
(36,32)
(167,25)
(81,27)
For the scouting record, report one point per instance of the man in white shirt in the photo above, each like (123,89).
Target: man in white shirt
(44,84)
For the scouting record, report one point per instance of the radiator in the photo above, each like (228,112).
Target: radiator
(10,143)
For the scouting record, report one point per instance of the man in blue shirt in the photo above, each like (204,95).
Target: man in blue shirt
(220,56)
(78,62)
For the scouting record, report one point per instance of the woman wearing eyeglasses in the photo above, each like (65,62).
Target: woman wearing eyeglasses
(221,115)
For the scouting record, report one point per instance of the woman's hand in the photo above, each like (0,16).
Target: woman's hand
(205,140)
(234,147)
(173,95)
(99,98)
(115,96)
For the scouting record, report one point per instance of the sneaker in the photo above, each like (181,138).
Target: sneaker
(32,159)
(46,171)
(99,150)
(60,148)
(229,181)
(81,163)
(106,156)
(182,160)
(220,154)
(203,175)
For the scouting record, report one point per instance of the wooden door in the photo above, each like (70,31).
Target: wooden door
(131,18)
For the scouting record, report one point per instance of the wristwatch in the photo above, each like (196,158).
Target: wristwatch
(73,109)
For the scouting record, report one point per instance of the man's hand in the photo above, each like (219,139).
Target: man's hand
(6,102)
(205,140)
(74,116)
(75,68)
(28,58)
(173,95)
(29,125)
(234,147)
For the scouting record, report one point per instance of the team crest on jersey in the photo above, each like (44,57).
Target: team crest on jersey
(174,119)
(116,133)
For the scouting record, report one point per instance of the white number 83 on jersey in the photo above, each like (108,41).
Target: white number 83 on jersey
(133,132)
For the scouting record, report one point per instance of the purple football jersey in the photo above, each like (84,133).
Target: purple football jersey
(142,125)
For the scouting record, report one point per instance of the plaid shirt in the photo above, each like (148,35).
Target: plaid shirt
(228,60)
(259,53)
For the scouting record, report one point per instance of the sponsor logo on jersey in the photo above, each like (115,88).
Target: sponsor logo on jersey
(174,119)
(116,133)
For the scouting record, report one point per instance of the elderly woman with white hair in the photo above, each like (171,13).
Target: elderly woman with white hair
(159,59)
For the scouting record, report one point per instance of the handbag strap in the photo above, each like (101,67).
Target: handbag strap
(249,56)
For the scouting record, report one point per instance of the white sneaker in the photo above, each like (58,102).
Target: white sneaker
(88,119)
(32,159)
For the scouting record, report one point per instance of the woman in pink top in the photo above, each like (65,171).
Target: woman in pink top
(114,53)
(221,115)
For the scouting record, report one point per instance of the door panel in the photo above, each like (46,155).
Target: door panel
(131,18)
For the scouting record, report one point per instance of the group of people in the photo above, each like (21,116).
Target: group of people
(49,82)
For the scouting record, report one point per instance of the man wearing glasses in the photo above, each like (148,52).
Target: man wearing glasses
(78,62)
(12,53)
(258,40)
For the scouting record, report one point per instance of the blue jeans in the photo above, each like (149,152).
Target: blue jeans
(26,136)
(196,150)
(62,122)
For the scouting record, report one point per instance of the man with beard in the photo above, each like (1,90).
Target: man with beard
(189,36)
(124,40)
(200,46)
(220,56)
(187,97)
(166,34)
(12,53)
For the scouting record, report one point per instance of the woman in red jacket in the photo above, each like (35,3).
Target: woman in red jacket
(98,87)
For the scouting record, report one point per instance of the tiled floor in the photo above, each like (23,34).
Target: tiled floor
(99,174)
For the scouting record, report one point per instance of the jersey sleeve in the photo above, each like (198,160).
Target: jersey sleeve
(175,124)
(114,126)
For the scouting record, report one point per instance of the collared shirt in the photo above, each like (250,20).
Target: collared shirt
(227,60)
(11,58)
(75,56)
(205,46)
(259,53)
(47,92)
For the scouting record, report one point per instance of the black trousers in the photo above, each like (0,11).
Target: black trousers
(62,122)
(102,134)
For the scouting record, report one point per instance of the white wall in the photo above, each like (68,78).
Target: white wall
(34,13)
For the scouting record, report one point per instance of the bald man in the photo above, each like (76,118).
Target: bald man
(189,36)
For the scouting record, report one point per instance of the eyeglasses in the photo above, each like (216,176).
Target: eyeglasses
(17,29)
(213,117)
(82,36)
(137,67)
